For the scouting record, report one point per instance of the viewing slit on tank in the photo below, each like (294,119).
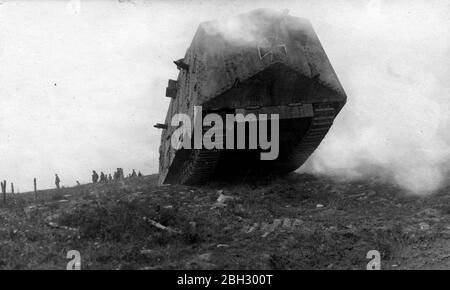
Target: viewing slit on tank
(262,62)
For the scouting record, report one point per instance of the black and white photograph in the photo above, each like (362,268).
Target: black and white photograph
(199,135)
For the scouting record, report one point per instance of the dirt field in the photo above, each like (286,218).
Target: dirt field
(297,222)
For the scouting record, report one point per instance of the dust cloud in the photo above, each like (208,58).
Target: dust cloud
(397,115)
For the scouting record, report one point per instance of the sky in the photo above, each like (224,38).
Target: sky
(83,82)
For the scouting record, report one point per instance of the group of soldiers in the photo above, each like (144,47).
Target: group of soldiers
(118,175)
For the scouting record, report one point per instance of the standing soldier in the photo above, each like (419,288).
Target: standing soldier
(139,174)
(110,177)
(94,176)
(57,181)
(133,174)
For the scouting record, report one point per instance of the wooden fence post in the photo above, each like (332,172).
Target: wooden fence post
(3,184)
(12,188)
(35,189)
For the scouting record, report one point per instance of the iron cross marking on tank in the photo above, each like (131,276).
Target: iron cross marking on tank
(273,48)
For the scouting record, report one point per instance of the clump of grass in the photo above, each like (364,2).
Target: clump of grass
(122,222)
(346,249)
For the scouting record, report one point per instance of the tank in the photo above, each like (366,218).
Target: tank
(262,62)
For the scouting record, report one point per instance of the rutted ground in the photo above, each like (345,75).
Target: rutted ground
(297,222)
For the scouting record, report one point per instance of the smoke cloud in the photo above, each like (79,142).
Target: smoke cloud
(397,116)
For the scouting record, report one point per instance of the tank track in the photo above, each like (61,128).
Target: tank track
(201,164)
(321,122)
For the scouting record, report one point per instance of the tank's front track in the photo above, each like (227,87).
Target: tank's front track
(201,165)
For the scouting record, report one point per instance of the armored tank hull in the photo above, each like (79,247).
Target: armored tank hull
(265,63)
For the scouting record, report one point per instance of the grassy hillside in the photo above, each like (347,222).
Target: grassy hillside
(297,222)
